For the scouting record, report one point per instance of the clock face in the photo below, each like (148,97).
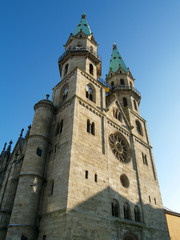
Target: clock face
(120,147)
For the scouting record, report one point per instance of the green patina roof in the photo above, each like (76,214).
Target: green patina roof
(83,26)
(116,61)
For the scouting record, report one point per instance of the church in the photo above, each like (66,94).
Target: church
(85,168)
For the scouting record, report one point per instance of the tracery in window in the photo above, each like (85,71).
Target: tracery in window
(120,147)
(115,208)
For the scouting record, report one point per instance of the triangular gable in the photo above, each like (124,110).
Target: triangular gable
(115,104)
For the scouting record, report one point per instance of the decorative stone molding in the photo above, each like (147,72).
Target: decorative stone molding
(90,108)
(90,79)
(117,127)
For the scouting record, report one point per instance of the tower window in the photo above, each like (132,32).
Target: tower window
(131,85)
(155,201)
(115,208)
(125,102)
(117,114)
(61,126)
(89,92)
(88,126)
(39,152)
(65,93)
(51,187)
(86,174)
(139,128)
(137,214)
(112,84)
(149,199)
(95,177)
(126,211)
(91,69)
(135,105)
(91,127)
(66,69)
(122,82)
(144,158)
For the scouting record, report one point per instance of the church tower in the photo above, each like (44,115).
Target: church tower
(87,169)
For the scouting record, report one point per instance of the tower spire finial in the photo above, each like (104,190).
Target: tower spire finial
(114,46)
(84,15)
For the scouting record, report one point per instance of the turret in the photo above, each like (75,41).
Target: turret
(122,81)
(25,210)
(80,51)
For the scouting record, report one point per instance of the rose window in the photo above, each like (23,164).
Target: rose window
(120,147)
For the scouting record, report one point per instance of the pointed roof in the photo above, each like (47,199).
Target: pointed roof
(83,26)
(116,60)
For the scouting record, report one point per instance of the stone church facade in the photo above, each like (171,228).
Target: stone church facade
(85,168)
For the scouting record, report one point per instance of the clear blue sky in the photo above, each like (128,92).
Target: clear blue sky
(147,34)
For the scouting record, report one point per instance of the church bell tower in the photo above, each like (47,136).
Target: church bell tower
(88,171)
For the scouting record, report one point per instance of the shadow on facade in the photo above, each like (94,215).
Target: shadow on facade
(106,215)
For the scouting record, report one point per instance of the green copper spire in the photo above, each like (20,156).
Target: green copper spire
(116,60)
(83,26)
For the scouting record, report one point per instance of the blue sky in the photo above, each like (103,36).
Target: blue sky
(147,34)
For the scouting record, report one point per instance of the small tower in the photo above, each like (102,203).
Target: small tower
(26,204)
(122,82)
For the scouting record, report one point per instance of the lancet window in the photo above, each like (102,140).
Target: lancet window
(115,208)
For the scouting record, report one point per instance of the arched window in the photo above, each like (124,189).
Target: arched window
(65,93)
(89,92)
(93,128)
(57,129)
(112,84)
(66,69)
(125,102)
(155,201)
(131,85)
(51,187)
(126,209)
(135,105)
(88,126)
(61,126)
(137,214)
(138,127)
(122,82)
(39,152)
(115,208)
(91,69)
